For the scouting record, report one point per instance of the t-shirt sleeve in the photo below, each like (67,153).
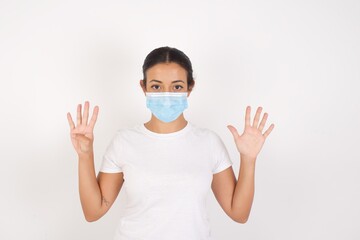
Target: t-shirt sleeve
(111,158)
(220,155)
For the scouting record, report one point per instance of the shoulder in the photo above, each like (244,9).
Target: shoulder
(127,132)
(214,140)
(204,132)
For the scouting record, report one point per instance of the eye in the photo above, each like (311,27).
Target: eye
(155,86)
(181,87)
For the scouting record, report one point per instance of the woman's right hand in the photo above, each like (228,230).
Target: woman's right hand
(81,135)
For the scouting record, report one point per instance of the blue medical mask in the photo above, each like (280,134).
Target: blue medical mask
(166,106)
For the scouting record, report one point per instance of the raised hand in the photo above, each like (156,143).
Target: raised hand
(251,141)
(82,136)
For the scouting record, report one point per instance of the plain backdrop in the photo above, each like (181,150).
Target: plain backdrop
(299,60)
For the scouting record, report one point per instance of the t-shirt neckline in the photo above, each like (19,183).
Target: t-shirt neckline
(165,135)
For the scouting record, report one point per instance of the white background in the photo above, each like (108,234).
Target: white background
(299,60)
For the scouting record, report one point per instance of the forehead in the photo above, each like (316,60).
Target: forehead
(166,72)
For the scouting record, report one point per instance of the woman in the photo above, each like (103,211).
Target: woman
(168,164)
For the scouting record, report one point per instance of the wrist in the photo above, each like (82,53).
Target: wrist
(86,155)
(247,159)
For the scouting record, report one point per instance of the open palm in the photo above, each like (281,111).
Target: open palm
(250,142)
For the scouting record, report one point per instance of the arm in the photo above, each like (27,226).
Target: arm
(236,197)
(244,191)
(96,195)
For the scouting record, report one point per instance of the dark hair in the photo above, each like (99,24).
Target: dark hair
(167,55)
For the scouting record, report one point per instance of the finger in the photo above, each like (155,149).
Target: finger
(268,131)
(71,122)
(86,113)
(233,131)
(263,121)
(257,117)
(94,117)
(247,116)
(78,115)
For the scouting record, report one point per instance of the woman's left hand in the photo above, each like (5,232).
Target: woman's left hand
(251,141)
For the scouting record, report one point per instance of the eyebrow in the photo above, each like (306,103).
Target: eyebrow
(154,80)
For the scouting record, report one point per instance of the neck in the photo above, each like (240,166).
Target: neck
(155,125)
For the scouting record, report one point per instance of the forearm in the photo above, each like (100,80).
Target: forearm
(90,193)
(244,190)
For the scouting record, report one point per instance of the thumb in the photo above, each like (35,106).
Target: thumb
(233,131)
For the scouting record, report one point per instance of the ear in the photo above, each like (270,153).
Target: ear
(190,88)
(142,86)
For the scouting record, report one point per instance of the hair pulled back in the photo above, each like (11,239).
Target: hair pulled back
(167,55)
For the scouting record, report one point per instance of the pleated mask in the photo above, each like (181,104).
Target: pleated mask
(166,106)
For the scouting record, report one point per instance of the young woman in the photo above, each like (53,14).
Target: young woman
(167,165)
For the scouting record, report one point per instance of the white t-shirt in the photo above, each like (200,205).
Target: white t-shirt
(167,181)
